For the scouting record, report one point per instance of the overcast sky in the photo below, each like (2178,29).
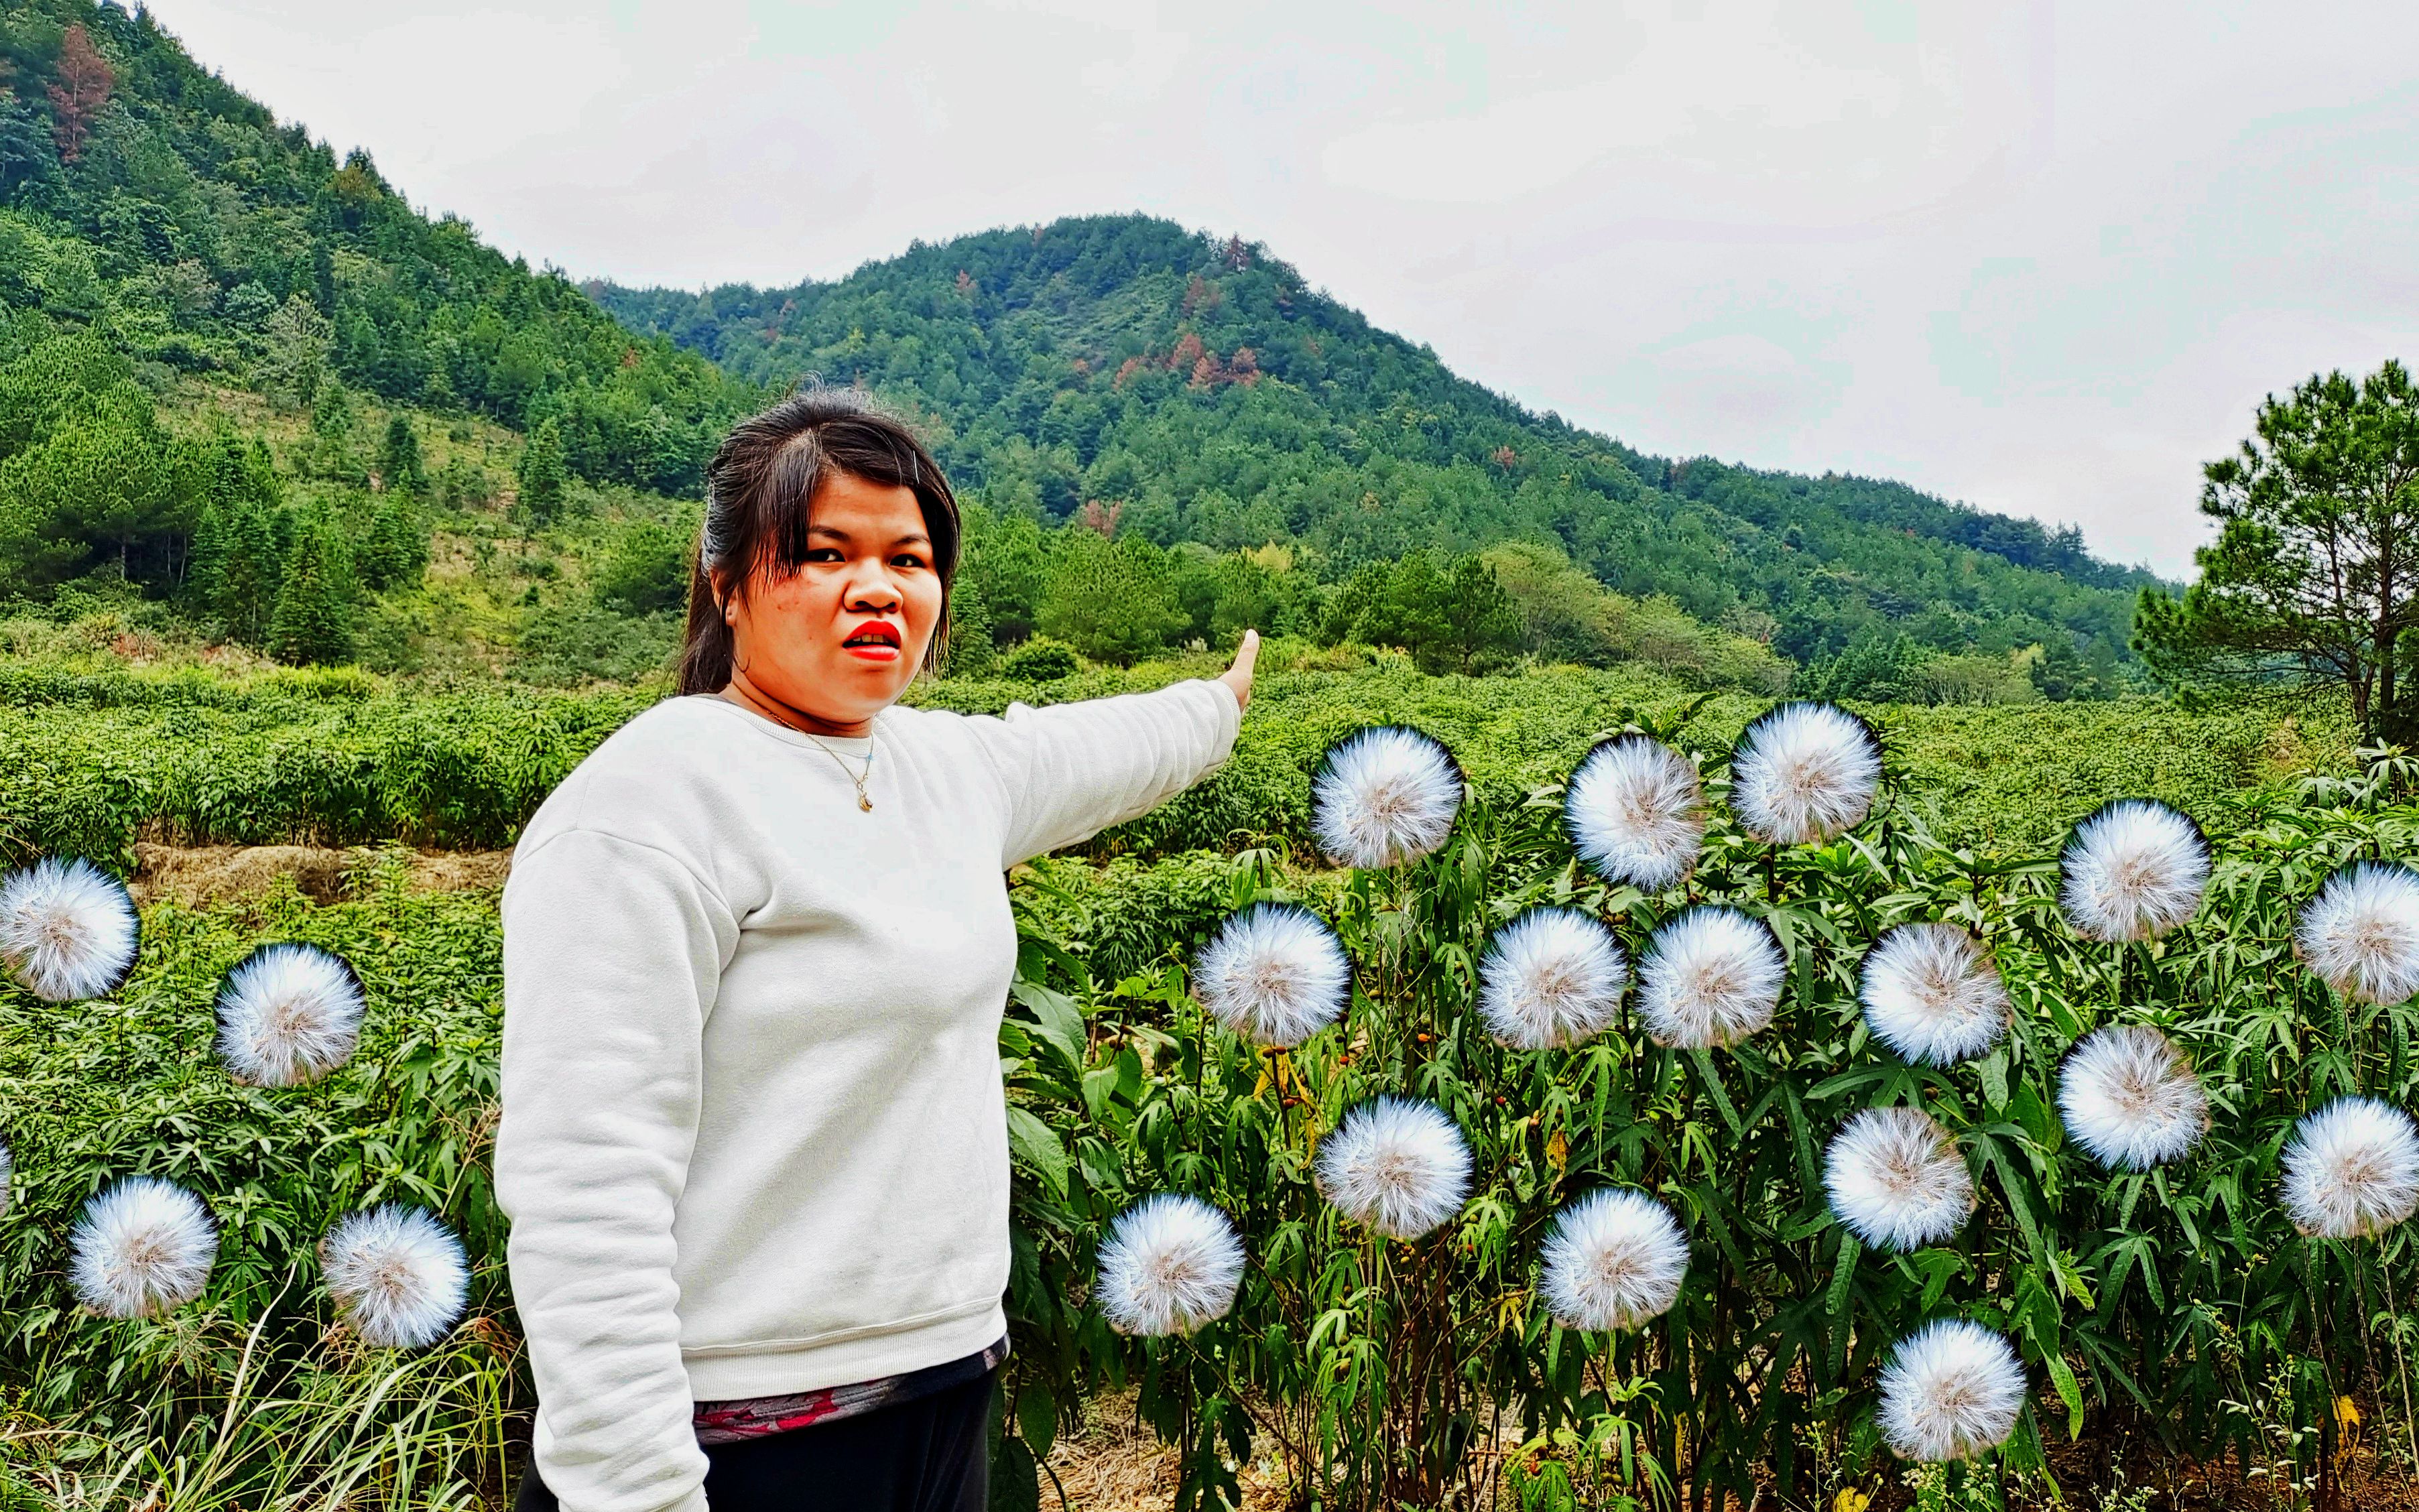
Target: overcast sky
(2044,259)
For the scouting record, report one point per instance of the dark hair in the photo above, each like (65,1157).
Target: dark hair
(759,489)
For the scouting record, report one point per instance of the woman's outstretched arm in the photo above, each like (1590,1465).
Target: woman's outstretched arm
(1073,769)
(613,952)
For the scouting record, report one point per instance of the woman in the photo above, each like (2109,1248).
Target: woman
(754,1144)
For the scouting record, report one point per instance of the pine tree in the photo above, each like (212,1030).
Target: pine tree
(394,550)
(542,472)
(399,463)
(313,621)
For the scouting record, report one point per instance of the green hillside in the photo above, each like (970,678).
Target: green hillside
(1204,389)
(252,399)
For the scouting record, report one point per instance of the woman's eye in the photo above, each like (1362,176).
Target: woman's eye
(907,559)
(822,554)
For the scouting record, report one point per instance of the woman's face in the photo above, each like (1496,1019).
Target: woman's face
(840,639)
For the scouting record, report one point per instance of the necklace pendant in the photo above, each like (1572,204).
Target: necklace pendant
(865,803)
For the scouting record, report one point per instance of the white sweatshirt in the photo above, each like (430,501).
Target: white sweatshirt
(754,1139)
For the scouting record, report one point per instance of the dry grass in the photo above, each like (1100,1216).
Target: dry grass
(1115,1463)
(199,874)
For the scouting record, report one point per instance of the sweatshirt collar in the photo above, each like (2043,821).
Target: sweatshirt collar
(845,745)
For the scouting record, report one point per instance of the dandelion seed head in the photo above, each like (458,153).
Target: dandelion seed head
(68,930)
(143,1246)
(1897,1179)
(1384,796)
(2132,869)
(1636,812)
(1169,1265)
(398,1274)
(1931,995)
(2351,1169)
(288,1014)
(1275,973)
(1710,977)
(1552,977)
(1804,773)
(1615,1260)
(1397,1164)
(2128,1097)
(2360,934)
(1951,1390)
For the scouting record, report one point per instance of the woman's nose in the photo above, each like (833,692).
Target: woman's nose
(870,586)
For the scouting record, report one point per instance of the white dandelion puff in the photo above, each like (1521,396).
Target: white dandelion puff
(2360,934)
(1710,977)
(1636,812)
(1275,973)
(1552,977)
(399,1276)
(2130,1097)
(68,930)
(2132,869)
(1897,1179)
(1614,1260)
(1397,1164)
(1805,772)
(288,1014)
(142,1247)
(1951,1390)
(1384,796)
(2353,1169)
(1930,993)
(1169,1265)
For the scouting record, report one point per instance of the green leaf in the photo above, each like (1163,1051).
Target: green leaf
(1031,1141)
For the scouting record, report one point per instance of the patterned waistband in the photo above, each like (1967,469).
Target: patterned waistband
(752,1417)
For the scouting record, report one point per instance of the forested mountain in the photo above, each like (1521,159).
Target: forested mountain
(248,384)
(1201,390)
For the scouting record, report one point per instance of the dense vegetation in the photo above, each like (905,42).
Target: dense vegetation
(1199,389)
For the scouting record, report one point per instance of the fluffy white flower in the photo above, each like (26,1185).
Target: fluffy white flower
(1552,977)
(1397,1164)
(1805,772)
(288,1014)
(1931,995)
(399,1276)
(2353,1169)
(1615,1260)
(1951,1390)
(2130,1097)
(2132,869)
(2360,934)
(1712,977)
(143,1246)
(68,930)
(1274,974)
(1169,1265)
(1897,1179)
(1636,812)
(1384,796)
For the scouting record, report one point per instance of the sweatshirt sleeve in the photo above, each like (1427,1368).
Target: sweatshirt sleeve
(1073,769)
(613,952)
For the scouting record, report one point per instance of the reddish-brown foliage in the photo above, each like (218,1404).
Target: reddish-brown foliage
(83,88)
(1100,518)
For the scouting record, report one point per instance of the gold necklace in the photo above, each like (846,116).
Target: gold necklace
(863,802)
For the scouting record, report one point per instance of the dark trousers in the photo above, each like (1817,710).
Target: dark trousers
(929,1454)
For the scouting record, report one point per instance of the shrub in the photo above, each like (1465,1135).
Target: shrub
(1040,660)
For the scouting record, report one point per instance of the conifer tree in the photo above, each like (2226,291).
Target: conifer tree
(313,619)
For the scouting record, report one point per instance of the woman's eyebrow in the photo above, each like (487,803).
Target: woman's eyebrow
(912,538)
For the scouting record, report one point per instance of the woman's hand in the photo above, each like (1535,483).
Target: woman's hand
(1237,678)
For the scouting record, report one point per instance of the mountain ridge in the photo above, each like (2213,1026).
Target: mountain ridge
(1018,336)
